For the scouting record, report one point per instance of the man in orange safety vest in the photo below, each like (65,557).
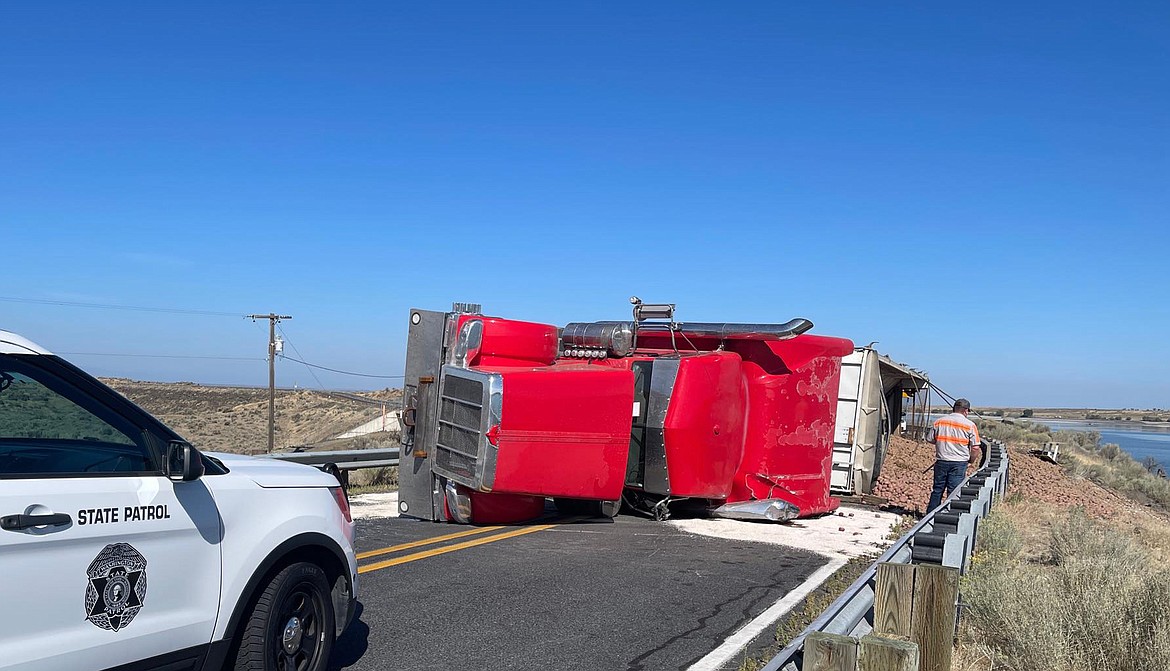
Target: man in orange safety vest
(956,444)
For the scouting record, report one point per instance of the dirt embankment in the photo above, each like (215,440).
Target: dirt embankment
(906,476)
(235,419)
(906,480)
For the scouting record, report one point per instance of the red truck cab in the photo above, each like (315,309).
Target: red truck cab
(734,420)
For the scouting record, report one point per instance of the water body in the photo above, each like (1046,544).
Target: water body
(1139,439)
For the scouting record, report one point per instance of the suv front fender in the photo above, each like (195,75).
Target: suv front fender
(310,546)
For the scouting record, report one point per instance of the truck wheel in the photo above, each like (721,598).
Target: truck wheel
(291,625)
(588,507)
(575,507)
(610,509)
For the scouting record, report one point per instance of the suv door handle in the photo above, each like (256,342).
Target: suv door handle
(21,522)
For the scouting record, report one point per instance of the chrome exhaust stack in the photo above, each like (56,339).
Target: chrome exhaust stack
(589,340)
(729,331)
(618,339)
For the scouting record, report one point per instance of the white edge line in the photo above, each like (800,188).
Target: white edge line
(730,647)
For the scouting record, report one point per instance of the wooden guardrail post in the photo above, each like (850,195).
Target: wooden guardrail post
(932,621)
(893,596)
(917,602)
(878,653)
(829,652)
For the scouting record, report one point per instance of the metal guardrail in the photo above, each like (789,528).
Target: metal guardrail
(944,536)
(343,460)
(361,399)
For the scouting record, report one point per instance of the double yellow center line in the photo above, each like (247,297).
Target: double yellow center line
(434,552)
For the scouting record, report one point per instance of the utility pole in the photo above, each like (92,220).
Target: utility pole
(272,318)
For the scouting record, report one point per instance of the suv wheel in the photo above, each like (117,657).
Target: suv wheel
(291,625)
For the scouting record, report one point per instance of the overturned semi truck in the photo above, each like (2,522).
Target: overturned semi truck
(733,420)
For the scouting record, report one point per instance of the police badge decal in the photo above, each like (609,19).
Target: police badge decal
(117,586)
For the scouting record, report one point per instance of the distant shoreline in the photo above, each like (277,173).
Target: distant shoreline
(1110,423)
(1156,417)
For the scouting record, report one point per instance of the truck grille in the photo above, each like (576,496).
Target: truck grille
(461,418)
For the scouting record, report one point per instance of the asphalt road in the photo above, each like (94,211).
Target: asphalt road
(623,594)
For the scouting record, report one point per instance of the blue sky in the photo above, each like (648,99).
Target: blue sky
(981,189)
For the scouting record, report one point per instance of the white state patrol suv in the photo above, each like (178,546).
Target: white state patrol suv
(122,547)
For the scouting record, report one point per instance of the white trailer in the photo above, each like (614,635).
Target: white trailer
(871,406)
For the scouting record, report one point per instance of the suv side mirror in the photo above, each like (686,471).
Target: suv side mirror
(184,463)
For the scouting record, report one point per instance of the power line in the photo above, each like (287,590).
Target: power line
(164,356)
(343,372)
(107,306)
(290,343)
(951,399)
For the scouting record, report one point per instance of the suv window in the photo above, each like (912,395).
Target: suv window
(49,427)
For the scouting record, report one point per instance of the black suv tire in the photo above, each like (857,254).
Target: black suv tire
(291,624)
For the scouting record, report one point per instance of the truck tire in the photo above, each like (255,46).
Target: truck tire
(610,509)
(576,507)
(291,624)
(588,507)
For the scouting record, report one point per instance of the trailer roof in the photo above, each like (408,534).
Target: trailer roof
(894,369)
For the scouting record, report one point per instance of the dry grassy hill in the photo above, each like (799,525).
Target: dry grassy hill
(235,419)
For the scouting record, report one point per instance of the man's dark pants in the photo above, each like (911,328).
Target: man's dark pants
(948,475)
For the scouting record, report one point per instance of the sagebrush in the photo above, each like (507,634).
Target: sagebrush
(1094,601)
